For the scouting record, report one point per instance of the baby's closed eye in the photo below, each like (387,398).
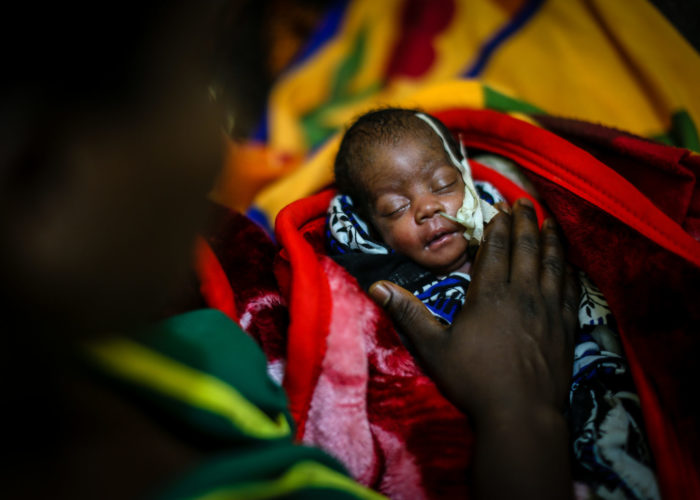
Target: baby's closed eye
(444,179)
(391,207)
(394,210)
(444,186)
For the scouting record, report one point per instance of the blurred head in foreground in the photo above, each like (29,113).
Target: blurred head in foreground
(108,146)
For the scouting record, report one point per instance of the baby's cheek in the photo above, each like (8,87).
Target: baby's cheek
(458,199)
(405,239)
(390,233)
(381,229)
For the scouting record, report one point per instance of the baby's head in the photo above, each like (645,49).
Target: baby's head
(395,167)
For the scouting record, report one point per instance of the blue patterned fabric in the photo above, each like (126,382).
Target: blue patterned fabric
(346,232)
(607,429)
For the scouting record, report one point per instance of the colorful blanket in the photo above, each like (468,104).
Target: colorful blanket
(616,63)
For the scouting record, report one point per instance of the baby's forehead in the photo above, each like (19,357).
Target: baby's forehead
(388,167)
(420,136)
(429,144)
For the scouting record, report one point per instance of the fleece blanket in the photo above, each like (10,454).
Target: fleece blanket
(617,63)
(628,209)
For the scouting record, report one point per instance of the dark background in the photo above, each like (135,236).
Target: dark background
(684,15)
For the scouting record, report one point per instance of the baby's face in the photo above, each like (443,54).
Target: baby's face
(408,185)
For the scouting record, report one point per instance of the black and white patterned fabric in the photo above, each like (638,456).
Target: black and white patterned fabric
(347,232)
(608,441)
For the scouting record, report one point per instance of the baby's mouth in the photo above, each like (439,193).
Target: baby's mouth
(439,239)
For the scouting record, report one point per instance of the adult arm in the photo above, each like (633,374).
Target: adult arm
(506,360)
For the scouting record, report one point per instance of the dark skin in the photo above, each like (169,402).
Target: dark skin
(506,360)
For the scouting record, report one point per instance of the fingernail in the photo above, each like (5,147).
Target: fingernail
(525,202)
(380,293)
(503,207)
(549,224)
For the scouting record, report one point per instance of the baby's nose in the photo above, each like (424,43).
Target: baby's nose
(428,206)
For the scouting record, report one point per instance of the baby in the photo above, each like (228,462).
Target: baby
(410,213)
(409,210)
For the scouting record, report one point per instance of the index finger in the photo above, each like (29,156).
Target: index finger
(492,264)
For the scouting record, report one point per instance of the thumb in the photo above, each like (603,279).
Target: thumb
(408,313)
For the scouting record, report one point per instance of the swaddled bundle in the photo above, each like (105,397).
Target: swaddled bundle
(608,442)
(357,392)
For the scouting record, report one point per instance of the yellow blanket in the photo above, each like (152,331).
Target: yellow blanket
(611,62)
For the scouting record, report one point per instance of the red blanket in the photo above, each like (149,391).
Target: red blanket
(627,208)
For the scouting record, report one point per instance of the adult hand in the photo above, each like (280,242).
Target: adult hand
(506,359)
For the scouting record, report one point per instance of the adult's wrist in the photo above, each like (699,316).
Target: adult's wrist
(522,452)
(535,415)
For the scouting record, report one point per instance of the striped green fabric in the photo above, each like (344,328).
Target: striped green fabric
(201,372)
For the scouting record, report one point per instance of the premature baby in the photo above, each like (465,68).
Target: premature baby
(409,210)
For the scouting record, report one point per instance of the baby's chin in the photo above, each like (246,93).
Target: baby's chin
(462,264)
